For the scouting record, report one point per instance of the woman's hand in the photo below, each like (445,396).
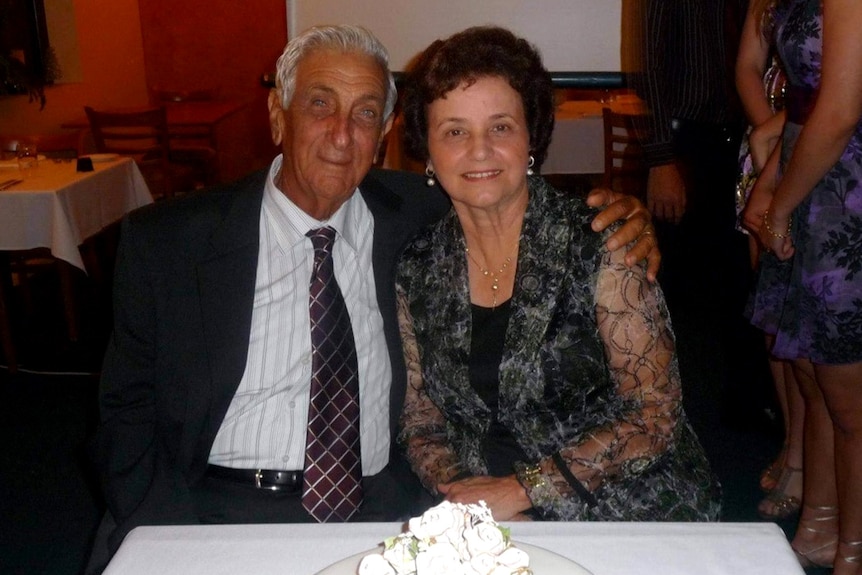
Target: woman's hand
(762,193)
(637,225)
(504,495)
(775,234)
(763,140)
(758,202)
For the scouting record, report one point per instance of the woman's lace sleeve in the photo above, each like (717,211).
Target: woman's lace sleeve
(423,426)
(633,324)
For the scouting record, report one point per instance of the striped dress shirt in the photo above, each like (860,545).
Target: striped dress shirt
(685,67)
(265,425)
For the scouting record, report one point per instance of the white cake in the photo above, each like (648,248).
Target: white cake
(449,539)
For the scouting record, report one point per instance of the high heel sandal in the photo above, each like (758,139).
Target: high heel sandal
(778,504)
(769,477)
(853,555)
(820,556)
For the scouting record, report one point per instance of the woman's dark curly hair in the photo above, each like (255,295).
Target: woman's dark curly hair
(465,57)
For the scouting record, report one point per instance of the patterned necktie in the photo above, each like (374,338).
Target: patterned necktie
(332,480)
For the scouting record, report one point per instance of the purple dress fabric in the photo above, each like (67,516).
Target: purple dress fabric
(813,302)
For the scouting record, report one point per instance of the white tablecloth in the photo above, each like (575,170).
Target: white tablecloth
(602,548)
(58,208)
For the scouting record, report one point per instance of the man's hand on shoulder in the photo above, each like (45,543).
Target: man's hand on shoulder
(637,225)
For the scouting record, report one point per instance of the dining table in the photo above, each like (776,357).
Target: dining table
(57,207)
(54,206)
(577,146)
(597,548)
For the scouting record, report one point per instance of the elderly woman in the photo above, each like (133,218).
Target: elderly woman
(542,372)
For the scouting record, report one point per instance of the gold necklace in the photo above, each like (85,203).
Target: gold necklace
(493,276)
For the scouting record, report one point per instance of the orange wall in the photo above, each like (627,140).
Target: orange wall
(128,46)
(112,66)
(220,44)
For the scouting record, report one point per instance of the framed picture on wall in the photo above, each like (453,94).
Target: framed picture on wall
(26,60)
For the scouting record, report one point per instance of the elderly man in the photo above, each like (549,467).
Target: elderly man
(217,400)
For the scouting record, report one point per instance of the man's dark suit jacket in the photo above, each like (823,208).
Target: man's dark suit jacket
(183,292)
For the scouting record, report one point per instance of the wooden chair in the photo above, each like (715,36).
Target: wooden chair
(191,145)
(142,135)
(625,170)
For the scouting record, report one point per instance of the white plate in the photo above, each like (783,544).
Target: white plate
(542,562)
(102,157)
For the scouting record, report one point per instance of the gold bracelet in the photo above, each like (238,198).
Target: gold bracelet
(772,232)
(529,475)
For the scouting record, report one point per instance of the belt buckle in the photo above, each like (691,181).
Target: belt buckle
(258,475)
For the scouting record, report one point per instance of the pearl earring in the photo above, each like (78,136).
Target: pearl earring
(430,182)
(530,166)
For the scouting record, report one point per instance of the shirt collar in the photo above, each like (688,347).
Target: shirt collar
(291,223)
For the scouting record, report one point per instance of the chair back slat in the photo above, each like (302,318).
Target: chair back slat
(191,144)
(130,133)
(625,169)
(141,134)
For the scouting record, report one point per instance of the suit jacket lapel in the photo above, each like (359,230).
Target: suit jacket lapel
(385,207)
(226,280)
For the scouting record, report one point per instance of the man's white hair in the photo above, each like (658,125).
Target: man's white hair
(343,38)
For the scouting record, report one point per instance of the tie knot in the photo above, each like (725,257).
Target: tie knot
(322,238)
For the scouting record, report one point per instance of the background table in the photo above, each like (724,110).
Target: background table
(577,146)
(603,548)
(58,208)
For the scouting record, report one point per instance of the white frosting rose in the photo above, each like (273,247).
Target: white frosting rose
(446,519)
(485,538)
(481,564)
(449,539)
(439,559)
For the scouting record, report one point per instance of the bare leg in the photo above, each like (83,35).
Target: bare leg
(781,371)
(816,537)
(842,390)
(784,499)
(770,475)
(795,417)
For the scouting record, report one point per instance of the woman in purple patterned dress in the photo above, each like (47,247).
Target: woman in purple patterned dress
(760,84)
(810,291)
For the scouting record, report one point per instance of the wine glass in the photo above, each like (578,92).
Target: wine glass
(28,157)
